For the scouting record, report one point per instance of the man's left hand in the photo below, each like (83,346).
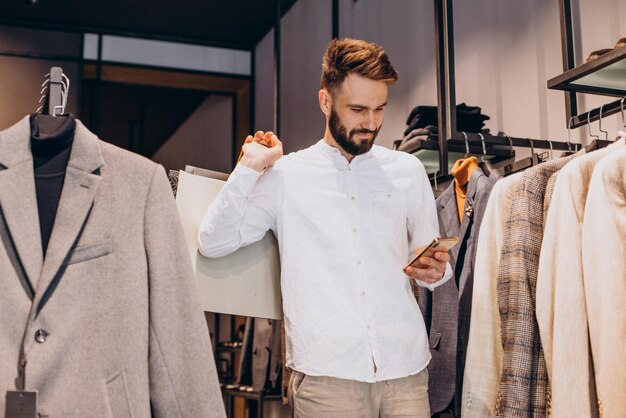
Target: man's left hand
(431,267)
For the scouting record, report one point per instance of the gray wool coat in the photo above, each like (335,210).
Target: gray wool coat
(109,323)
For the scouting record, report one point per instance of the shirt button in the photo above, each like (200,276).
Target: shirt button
(358,262)
(369,328)
(354,230)
(353,198)
(363,293)
(349,169)
(41,335)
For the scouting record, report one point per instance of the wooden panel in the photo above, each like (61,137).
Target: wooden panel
(166,78)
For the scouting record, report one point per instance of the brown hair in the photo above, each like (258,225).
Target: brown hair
(346,56)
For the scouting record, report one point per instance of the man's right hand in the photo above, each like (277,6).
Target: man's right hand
(261,150)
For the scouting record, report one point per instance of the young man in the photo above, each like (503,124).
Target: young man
(347,215)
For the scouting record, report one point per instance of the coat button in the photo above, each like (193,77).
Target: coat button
(41,335)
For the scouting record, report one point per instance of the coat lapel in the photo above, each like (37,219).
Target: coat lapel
(82,178)
(18,202)
(468,215)
(449,217)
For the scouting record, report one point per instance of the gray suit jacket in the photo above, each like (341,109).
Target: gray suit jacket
(109,322)
(447,309)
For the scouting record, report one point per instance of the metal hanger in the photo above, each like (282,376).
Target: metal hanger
(524,163)
(606,133)
(597,143)
(569,151)
(53,102)
(621,133)
(551,150)
(486,165)
(467,149)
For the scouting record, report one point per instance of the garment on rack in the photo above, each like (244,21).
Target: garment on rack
(116,327)
(604,272)
(560,309)
(483,364)
(447,309)
(524,384)
(462,171)
(410,140)
(469,118)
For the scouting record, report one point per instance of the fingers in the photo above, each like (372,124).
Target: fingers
(442,256)
(425,274)
(268,139)
(432,267)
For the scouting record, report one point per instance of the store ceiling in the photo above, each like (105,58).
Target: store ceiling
(228,23)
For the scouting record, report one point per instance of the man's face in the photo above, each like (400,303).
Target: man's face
(356,113)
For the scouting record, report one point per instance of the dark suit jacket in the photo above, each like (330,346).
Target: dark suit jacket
(447,309)
(110,321)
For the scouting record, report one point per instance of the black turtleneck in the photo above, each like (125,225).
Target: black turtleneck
(51,153)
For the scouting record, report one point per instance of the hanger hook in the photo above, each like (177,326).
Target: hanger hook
(569,133)
(532,145)
(606,133)
(482,141)
(467,150)
(435,178)
(621,108)
(551,155)
(589,126)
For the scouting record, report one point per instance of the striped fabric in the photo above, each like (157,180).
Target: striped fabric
(524,383)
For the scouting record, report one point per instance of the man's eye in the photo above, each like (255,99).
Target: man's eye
(356,109)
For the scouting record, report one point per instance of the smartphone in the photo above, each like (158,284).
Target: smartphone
(438,244)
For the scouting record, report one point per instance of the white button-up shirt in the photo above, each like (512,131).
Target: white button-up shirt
(345,231)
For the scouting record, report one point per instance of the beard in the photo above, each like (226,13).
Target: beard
(346,139)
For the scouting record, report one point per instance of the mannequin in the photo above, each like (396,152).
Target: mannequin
(51,152)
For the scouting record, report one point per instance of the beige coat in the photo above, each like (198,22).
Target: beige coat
(604,267)
(483,364)
(120,331)
(561,311)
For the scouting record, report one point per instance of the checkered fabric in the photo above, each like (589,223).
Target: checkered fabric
(524,384)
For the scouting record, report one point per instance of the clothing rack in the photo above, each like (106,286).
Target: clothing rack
(446,100)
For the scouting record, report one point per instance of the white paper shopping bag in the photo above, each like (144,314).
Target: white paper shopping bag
(246,282)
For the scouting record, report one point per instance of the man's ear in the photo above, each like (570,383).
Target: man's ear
(325,101)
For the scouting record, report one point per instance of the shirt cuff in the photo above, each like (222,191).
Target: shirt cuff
(243,179)
(432,286)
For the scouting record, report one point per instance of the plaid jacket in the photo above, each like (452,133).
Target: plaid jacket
(524,384)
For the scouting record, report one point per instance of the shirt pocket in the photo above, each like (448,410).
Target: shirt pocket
(91,251)
(387,212)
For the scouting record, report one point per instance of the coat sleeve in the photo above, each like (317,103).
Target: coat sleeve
(183,378)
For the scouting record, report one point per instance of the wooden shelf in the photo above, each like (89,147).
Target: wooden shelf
(605,75)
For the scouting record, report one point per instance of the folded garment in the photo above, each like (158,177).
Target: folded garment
(411,143)
(420,134)
(469,118)
(620,43)
(597,54)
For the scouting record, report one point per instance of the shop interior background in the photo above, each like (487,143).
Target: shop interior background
(505,52)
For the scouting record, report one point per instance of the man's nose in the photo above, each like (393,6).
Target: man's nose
(369,121)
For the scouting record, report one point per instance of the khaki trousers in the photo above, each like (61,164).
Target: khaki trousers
(328,397)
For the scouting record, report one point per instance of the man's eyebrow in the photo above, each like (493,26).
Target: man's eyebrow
(360,106)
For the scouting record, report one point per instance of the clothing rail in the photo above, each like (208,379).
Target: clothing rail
(458,137)
(598,113)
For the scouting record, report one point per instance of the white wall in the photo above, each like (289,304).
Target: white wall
(505,52)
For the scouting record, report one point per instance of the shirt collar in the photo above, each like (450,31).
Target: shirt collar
(335,155)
